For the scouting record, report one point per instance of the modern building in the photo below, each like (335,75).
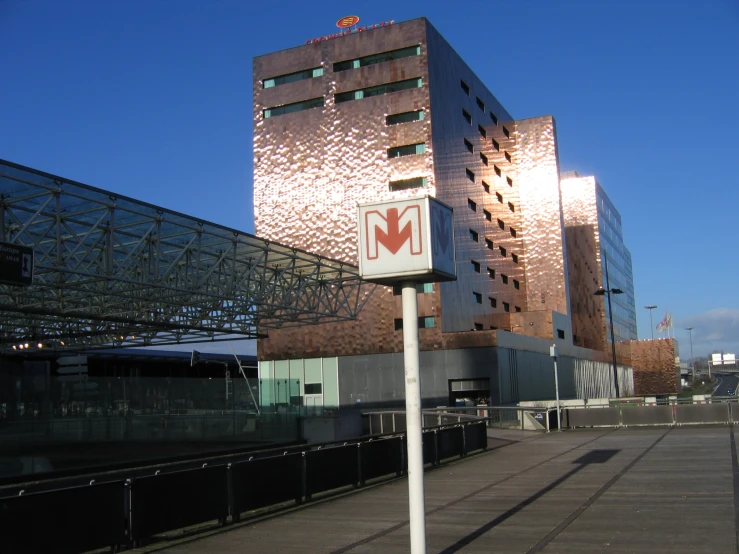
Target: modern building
(394,112)
(597,257)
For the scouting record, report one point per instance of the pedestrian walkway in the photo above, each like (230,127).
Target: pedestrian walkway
(627,490)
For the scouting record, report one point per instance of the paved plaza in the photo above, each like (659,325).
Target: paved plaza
(627,490)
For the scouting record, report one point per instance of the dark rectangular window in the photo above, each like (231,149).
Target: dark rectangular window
(294,107)
(480,103)
(475,266)
(506,306)
(506,133)
(472,205)
(406,150)
(470,175)
(516,284)
(378,58)
(491,273)
(378,90)
(405,184)
(514,257)
(467,116)
(511,207)
(293,77)
(496,145)
(513,231)
(508,157)
(499,197)
(488,215)
(493,302)
(474,235)
(502,251)
(510,181)
(313,388)
(483,133)
(398,323)
(485,187)
(484,158)
(501,224)
(477,297)
(498,172)
(493,118)
(504,278)
(479,326)
(465,87)
(518,309)
(489,243)
(405,117)
(426,322)
(468,146)
(560,334)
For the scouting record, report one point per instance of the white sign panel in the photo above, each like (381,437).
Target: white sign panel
(406,239)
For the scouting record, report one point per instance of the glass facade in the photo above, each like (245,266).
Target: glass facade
(620,274)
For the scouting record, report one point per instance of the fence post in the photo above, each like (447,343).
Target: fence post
(464,441)
(305,477)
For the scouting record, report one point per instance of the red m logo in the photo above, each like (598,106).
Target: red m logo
(386,229)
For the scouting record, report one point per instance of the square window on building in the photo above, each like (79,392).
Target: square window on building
(425,288)
(467,116)
(480,103)
(489,244)
(560,334)
(493,118)
(479,327)
(398,323)
(498,172)
(514,257)
(475,266)
(496,145)
(504,278)
(499,197)
(516,284)
(508,157)
(474,235)
(506,307)
(486,187)
(493,302)
(501,224)
(484,158)
(426,322)
(511,207)
(518,309)
(470,175)
(506,133)
(488,215)
(513,231)
(483,132)
(502,251)
(477,297)
(468,146)
(491,273)
(510,181)
(472,205)
(465,87)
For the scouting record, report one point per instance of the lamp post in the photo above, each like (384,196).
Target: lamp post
(651,323)
(608,291)
(692,360)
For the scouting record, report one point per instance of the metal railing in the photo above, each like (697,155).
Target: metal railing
(673,414)
(127,507)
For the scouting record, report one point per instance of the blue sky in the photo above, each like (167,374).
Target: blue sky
(152,99)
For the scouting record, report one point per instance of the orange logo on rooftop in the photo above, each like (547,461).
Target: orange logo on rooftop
(348,21)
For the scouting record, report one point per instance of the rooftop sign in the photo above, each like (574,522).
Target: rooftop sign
(347,30)
(348,21)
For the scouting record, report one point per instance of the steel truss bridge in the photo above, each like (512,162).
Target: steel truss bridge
(113,271)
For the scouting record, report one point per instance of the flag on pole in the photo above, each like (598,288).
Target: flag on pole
(666,324)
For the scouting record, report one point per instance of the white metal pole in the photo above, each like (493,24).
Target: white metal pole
(556,392)
(414,429)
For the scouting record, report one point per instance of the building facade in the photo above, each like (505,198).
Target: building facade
(394,112)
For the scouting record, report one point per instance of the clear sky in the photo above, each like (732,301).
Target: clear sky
(152,99)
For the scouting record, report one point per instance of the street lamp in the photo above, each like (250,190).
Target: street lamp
(608,291)
(692,360)
(651,323)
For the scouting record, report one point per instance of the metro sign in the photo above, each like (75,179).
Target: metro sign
(406,239)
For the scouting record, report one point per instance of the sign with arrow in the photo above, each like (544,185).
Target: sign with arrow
(406,239)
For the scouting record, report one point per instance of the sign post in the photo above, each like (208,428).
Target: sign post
(409,241)
(554,353)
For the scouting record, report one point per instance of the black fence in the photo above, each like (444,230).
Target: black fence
(129,508)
